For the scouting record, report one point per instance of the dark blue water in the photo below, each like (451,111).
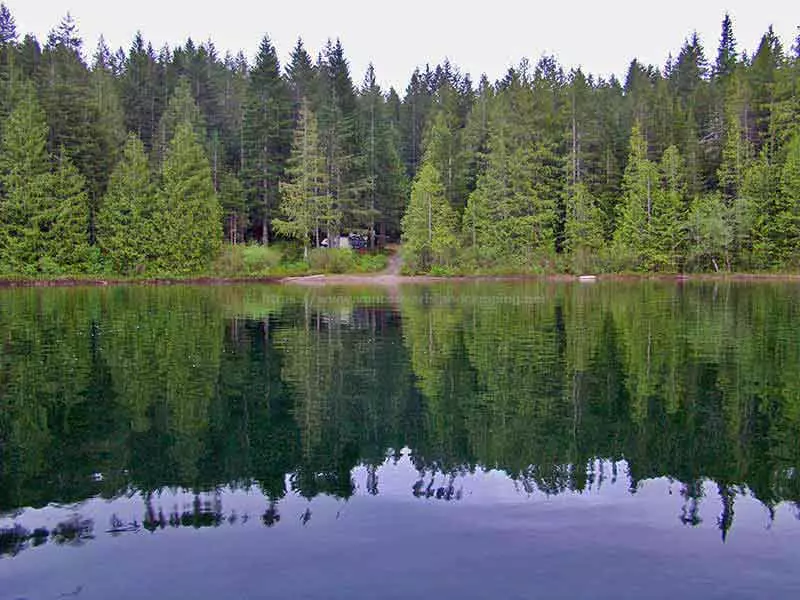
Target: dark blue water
(473,441)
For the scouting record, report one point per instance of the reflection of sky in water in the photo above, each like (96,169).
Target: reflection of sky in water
(496,538)
(656,502)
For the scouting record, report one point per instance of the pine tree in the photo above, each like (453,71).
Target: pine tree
(8,27)
(640,185)
(305,207)
(141,84)
(24,175)
(761,190)
(67,99)
(129,217)
(338,130)
(67,240)
(267,136)
(789,215)
(727,55)
(429,226)
(110,125)
(191,226)
(669,221)
(583,228)
(511,215)
(181,108)
(8,55)
(383,195)
(234,207)
(301,76)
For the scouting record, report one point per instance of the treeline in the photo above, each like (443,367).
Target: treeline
(694,166)
(145,160)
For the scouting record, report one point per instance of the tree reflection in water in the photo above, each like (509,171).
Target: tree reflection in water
(108,392)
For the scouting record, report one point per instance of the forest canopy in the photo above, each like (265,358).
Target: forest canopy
(153,160)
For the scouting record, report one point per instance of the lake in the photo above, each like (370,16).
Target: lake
(471,440)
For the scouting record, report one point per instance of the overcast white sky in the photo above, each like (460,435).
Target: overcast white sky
(479,37)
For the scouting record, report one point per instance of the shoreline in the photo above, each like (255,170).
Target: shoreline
(392,280)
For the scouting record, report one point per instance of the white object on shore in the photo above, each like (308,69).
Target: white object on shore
(587,278)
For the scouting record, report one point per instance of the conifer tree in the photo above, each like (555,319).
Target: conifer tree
(789,215)
(24,175)
(129,217)
(301,75)
(727,55)
(640,186)
(67,240)
(141,90)
(8,27)
(305,206)
(181,108)
(67,99)
(429,226)
(511,215)
(338,130)
(191,225)
(583,228)
(267,136)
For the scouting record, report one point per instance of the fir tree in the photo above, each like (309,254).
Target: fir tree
(429,226)
(727,55)
(191,226)
(306,208)
(67,240)
(8,27)
(181,108)
(267,136)
(584,227)
(24,175)
(128,219)
(640,186)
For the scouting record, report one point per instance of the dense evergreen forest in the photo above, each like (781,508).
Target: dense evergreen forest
(161,161)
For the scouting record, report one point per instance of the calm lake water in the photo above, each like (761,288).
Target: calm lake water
(526,440)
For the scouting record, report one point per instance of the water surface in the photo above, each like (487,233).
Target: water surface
(526,440)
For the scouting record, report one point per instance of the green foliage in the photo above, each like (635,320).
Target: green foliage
(43,212)
(651,226)
(190,227)
(332,260)
(429,225)
(129,216)
(511,216)
(710,233)
(181,108)
(161,388)
(544,170)
(266,136)
(67,241)
(243,260)
(306,206)
(584,228)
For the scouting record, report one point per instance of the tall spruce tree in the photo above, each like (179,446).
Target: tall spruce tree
(24,175)
(267,137)
(306,208)
(67,238)
(634,234)
(181,108)
(191,225)
(338,128)
(430,226)
(583,234)
(129,216)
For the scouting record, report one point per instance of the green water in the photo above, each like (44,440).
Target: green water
(139,411)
